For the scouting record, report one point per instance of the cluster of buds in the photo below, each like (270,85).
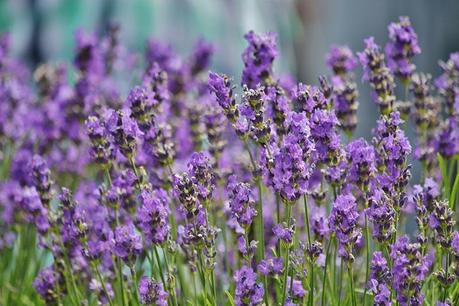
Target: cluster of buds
(448,83)
(342,61)
(252,109)
(42,179)
(409,270)
(343,222)
(442,223)
(426,117)
(159,144)
(378,75)
(425,197)
(101,149)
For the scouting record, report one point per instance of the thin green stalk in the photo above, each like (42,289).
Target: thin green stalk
(261,235)
(311,278)
(367,268)
(445,289)
(351,282)
(340,281)
(136,285)
(453,195)
(122,287)
(174,296)
(101,280)
(325,272)
(287,255)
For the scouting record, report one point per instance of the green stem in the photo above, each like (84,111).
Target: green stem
(367,268)
(136,286)
(325,272)
(122,288)
(287,255)
(311,278)
(101,280)
(340,281)
(453,195)
(351,281)
(445,289)
(158,261)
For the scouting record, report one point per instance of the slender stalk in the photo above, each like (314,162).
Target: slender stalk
(260,220)
(101,280)
(445,289)
(340,281)
(174,296)
(351,282)
(136,286)
(122,288)
(367,268)
(287,256)
(311,265)
(325,272)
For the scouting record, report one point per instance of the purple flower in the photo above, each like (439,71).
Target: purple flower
(409,270)
(402,47)
(341,60)
(392,150)
(441,221)
(426,117)
(158,143)
(125,132)
(153,215)
(284,233)
(258,58)
(200,58)
(291,167)
(152,293)
(45,284)
(101,150)
(278,107)
(309,98)
(88,56)
(323,130)
(298,292)
(185,191)
(42,179)
(156,81)
(455,243)
(122,191)
(447,142)
(271,266)
(128,244)
(220,86)
(361,157)
(252,110)
(241,203)
(448,82)
(378,75)
(343,222)
(202,175)
(248,291)
(382,213)
(141,102)
(215,124)
(36,213)
(380,280)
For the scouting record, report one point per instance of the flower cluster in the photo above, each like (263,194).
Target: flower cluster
(401,48)
(178,191)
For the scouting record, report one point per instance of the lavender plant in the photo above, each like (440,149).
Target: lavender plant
(189,190)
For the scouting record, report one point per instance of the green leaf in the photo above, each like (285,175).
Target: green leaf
(230,298)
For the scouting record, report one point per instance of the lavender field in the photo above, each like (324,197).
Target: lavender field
(193,188)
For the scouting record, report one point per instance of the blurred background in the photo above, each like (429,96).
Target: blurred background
(43,30)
